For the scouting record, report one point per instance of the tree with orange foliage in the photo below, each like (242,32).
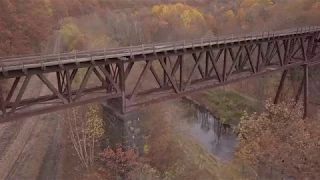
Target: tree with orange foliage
(118,163)
(24,26)
(59,9)
(278,143)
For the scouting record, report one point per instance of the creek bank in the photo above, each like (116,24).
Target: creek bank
(206,129)
(216,115)
(226,106)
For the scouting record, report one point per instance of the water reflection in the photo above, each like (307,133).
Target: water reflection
(220,141)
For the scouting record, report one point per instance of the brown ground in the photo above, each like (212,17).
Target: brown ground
(29,148)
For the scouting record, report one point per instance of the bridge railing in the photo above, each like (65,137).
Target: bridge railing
(131,51)
(151,46)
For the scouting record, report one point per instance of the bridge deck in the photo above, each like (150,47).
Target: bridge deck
(50,62)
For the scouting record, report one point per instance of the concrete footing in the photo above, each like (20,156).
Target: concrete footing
(123,129)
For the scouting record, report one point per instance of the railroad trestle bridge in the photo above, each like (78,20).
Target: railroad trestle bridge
(132,77)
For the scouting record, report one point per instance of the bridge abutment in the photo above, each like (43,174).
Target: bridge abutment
(123,129)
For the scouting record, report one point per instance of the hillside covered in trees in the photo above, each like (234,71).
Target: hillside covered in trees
(25,26)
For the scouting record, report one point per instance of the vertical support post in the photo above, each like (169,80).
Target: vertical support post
(311,47)
(238,67)
(165,78)
(280,87)
(2,102)
(315,41)
(122,82)
(59,81)
(109,85)
(224,65)
(306,90)
(259,58)
(291,50)
(207,65)
(300,90)
(68,87)
(181,72)
(306,78)
(286,44)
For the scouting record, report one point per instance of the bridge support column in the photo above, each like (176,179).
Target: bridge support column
(123,129)
(306,91)
(280,87)
(2,102)
(122,81)
(304,86)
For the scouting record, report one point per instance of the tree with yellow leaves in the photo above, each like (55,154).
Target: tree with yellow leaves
(86,127)
(229,15)
(252,3)
(73,38)
(179,15)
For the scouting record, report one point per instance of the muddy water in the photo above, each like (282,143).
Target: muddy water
(207,131)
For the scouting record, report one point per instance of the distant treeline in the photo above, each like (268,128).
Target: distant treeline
(26,25)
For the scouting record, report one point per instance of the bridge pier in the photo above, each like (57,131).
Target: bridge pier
(122,128)
(306,91)
(304,86)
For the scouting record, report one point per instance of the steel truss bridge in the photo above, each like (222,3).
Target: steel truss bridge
(135,76)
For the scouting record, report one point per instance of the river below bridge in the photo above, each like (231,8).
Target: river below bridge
(190,125)
(205,129)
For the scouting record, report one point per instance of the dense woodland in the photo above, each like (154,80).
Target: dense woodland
(27,26)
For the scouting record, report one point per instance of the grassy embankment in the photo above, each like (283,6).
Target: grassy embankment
(226,105)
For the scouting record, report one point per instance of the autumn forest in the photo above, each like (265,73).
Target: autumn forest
(273,141)
(90,24)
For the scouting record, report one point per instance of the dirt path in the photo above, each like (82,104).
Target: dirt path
(29,148)
(24,144)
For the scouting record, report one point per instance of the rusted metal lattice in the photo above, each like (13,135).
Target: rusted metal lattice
(139,75)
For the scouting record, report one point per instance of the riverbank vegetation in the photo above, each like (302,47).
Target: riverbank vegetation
(227,106)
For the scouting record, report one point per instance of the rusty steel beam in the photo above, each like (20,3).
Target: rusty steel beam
(302,84)
(12,89)
(122,81)
(214,64)
(46,98)
(2,102)
(235,59)
(306,91)
(68,86)
(44,110)
(20,94)
(197,59)
(280,87)
(167,93)
(52,88)
(83,83)
(181,73)
(140,79)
